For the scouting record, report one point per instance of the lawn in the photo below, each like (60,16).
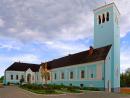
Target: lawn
(54,89)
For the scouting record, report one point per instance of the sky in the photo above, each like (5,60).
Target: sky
(35,31)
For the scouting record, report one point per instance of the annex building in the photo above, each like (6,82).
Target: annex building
(97,67)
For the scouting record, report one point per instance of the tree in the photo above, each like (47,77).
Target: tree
(21,81)
(1,79)
(45,74)
(125,79)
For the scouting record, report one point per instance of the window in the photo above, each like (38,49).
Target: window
(16,77)
(107,18)
(92,76)
(82,74)
(71,75)
(99,19)
(62,75)
(55,76)
(11,77)
(103,18)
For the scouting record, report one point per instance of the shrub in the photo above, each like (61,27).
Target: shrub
(8,83)
(90,88)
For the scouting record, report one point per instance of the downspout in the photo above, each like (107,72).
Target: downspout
(104,76)
(5,78)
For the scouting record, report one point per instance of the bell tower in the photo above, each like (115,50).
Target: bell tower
(106,32)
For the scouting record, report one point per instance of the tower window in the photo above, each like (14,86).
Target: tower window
(103,18)
(99,19)
(107,18)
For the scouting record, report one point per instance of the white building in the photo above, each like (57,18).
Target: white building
(17,71)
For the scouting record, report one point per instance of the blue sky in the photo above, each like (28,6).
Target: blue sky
(36,31)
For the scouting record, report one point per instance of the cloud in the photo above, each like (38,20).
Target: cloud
(2,22)
(125,20)
(66,48)
(56,20)
(28,58)
(10,44)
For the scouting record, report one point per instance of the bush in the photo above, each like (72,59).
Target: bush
(21,81)
(8,83)
(90,88)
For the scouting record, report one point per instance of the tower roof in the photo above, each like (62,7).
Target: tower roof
(107,5)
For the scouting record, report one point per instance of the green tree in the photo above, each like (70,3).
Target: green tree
(125,79)
(1,79)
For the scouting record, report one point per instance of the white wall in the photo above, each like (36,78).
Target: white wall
(14,73)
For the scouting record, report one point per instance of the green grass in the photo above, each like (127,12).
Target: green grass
(50,89)
(42,91)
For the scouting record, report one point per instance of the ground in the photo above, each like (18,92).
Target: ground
(13,92)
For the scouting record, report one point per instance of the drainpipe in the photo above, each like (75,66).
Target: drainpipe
(5,78)
(104,76)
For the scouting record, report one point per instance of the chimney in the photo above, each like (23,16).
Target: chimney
(90,50)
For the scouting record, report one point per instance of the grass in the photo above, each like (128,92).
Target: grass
(50,89)
(42,91)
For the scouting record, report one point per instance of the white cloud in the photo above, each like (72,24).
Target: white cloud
(2,22)
(12,30)
(10,44)
(55,19)
(28,58)
(67,48)
(124,8)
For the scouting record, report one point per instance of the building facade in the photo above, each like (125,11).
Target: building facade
(97,67)
(18,71)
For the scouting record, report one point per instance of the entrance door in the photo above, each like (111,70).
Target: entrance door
(29,78)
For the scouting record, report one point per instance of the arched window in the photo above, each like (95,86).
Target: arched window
(103,18)
(99,19)
(107,18)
